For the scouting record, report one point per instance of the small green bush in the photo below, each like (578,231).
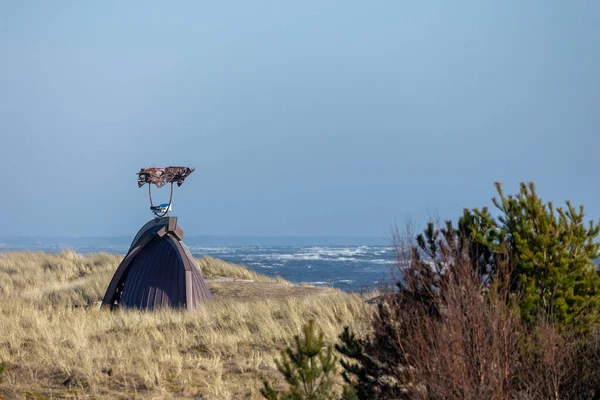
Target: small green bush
(308,369)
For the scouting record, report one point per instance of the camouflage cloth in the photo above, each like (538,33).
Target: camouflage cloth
(162,176)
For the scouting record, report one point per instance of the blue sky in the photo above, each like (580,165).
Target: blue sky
(301,118)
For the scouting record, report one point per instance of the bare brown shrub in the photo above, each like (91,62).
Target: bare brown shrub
(458,341)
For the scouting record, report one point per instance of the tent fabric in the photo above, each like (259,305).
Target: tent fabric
(157,272)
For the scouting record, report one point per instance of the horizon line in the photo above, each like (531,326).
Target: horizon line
(195,236)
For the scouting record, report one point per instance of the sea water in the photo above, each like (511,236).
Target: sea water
(348,267)
(351,268)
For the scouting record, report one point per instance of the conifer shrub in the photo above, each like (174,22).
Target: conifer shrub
(551,252)
(308,368)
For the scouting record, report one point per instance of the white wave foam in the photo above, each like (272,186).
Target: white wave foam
(317,253)
(382,262)
(335,251)
(212,250)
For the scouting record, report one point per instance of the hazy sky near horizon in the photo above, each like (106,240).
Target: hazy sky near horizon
(301,118)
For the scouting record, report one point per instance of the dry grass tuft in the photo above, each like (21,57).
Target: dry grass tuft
(57,344)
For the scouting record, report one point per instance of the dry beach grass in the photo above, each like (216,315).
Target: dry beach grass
(56,342)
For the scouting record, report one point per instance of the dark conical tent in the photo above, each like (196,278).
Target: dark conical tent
(157,272)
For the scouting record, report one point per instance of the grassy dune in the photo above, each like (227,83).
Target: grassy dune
(57,343)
